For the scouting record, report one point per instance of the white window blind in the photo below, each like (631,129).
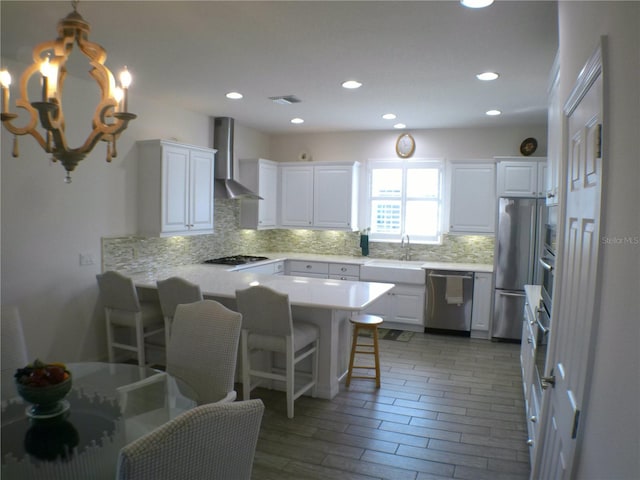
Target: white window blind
(405,197)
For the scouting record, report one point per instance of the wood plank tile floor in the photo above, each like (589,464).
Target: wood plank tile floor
(448,407)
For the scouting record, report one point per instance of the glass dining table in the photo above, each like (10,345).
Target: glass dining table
(109,406)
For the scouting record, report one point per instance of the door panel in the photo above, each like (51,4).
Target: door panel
(573,303)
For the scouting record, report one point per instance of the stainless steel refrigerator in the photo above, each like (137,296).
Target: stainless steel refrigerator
(515,262)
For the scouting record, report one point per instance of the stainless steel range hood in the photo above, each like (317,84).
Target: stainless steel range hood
(226,186)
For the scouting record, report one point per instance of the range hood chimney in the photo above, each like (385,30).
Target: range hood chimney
(226,186)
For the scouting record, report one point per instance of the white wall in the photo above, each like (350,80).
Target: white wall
(451,144)
(609,445)
(46,223)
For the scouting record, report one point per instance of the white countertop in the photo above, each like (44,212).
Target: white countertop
(307,292)
(534,295)
(470,267)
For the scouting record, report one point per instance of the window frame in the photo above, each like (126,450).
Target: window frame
(404,165)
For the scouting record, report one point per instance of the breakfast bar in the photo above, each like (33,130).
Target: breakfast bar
(326,303)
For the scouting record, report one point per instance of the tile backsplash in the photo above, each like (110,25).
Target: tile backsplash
(134,253)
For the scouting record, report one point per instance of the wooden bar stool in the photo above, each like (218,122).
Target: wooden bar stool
(367,323)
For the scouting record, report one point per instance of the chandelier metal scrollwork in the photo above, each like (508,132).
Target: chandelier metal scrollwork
(111,116)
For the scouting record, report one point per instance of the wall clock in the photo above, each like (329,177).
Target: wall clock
(405,145)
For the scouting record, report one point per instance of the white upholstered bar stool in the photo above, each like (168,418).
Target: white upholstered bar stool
(267,325)
(173,292)
(367,323)
(123,309)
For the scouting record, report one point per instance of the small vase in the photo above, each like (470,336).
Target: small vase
(364,245)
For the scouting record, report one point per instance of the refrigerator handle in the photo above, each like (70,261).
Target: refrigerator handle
(533,245)
(511,294)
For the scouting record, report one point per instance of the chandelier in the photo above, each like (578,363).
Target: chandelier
(110,117)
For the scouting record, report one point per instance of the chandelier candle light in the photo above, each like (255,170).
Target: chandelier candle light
(110,117)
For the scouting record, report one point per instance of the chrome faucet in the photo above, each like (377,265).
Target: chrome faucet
(405,244)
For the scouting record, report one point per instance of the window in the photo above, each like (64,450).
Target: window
(405,196)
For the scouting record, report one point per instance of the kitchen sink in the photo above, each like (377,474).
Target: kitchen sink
(393,271)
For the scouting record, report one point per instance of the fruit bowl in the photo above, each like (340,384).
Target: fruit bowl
(44,385)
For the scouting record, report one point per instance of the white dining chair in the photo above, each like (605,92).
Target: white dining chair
(203,349)
(214,441)
(124,309)
(14,347)
(267,325)
(172,292)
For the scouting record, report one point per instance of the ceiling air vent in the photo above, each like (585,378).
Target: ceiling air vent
(285,99)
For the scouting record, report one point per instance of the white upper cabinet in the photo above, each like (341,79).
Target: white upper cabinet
(296,196)
(473,198)
(260,176)
(519,177)
(322,196)
(175,188)
(335,196)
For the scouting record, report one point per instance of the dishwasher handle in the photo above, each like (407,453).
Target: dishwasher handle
(439,275)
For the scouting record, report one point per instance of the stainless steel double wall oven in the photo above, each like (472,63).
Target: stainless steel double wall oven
(547,263)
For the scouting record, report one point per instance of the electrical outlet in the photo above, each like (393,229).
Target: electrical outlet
(86,259)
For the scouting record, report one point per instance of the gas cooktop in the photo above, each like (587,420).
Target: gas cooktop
(236,260)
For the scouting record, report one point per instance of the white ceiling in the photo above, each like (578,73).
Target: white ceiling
(417,59)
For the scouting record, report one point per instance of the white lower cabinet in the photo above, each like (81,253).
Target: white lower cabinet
(344,271)
(175,188)
(402,307)
(336,271)
(482,300)
(301,268)
(530,380)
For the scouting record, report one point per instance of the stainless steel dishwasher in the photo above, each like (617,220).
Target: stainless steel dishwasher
(449,302)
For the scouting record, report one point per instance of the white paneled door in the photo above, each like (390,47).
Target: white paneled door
(574,301)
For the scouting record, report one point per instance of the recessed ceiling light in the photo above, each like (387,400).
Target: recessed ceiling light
(389,116)
(476,3)
(351,84)
(487,76)
(493,113)
(399,125)
(234,95)
(297,120)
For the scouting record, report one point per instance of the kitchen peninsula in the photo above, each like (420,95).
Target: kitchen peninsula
(327,303)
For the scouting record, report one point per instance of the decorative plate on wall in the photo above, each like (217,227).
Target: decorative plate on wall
(528,146)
